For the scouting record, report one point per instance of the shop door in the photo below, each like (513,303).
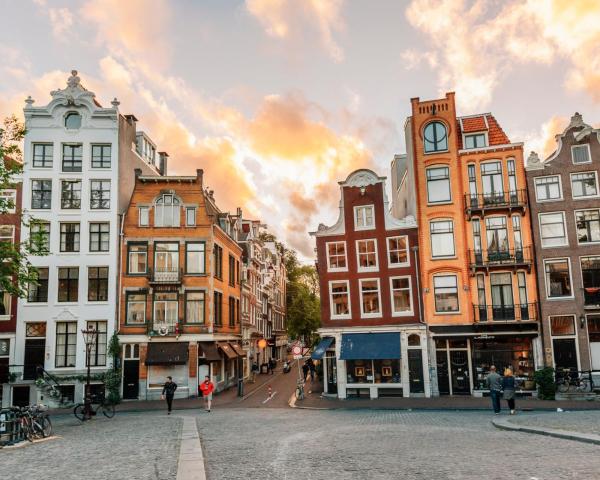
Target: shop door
(415,371)
(131,379)
(331,373)
(459,367)
(35,351)
(20,396)
(565,354)
(442,372)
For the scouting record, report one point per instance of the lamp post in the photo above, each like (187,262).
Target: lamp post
(89,338)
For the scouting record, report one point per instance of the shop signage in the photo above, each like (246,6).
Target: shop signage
(484,336)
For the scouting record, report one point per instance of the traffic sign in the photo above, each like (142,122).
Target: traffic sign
(297,357)
(297,350)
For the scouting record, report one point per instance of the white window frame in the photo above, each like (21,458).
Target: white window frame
(564,222)
(331,304)
(574,336)
(587,196)
(550,199)
(446,274)
(589,156)
(334,269)
(147,210)
(9,194)
(187,212)
(367,227)
(367,269)
(12,236)
(360,293)
(464,140)
(410,297)
(389,257)
(556,260)
(575,212)
(439,220)
(427,180)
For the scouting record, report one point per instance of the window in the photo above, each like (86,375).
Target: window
(517,237)
(195,258)
(97,284)
(69,237)
(370,302)
(398,251)
(70,194)
(136,308)
(166,211)
(438,185)
(336,256)
(481,300)
(590,273)
(472,183)
(165,308)
(512,179)
(100,195)
(98,350)
(5,304)
(232,315)
(366,251)
(72,121)
(491,179)
(101,156)
(137,259)
(445,288)
(522,284)
(580,154)
(218,261)
(7,233)
(8,201)
(593,325)
(231,270)
(435,137)
(548,188)
(476,140)
(476,224)
(364,217)
(72,155)
(218,309)
(339,299)
(401,295)
(41,194)
(558,278)
(39,236)
(166,257)
(561,325)
(43,154)
(99,237)
(442,238)
(38,292)
(190,216)
(144,216)
(194,307)
(502,296)
(66,344)
(68,284)
(584,184)
(497,234)
(588,226)
(552,229)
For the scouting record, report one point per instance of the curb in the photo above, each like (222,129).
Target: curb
(504,424)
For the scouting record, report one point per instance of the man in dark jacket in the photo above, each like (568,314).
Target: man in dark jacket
(494,383)
(168,392)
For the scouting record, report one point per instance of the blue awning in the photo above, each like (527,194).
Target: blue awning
(323,345)
(370,346)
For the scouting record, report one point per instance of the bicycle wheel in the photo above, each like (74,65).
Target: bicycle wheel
(46,425)
(27,430)
(79,412)
(299,393)
(108,410)
(36,427)
(584,385)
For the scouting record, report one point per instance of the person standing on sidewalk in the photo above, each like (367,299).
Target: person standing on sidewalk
(508,389)
(494,383)
(168,392)
(207,388)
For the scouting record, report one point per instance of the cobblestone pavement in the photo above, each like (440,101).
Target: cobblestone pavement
(307,444)
(583,422)
(129,446)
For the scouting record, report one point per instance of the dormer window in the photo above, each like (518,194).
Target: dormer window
(73,121)
(580,154)
(476,140)
(166,211)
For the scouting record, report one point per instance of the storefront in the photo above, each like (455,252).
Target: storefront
(165,359)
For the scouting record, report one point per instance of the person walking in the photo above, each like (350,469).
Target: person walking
(494,383)
(168,392)
(207,388)
(312,369)
(272,365)
(508,389)
(305,369)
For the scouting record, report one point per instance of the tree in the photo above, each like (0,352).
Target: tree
(16,272)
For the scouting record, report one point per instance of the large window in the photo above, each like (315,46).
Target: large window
(194,307)
(38,292)
(588,226)
(401,295)
(370,301)
(438,185)
(398,251)
(373,371)
(580,154)
(70,194)
(339,299)
(43,154)
(98,350)
(100,195)
(445,290)
(101,156)
(590,273)
(218,260)
(136,308)
(99,237)
(218,309)
(231,270)
(166,257)
(584,184)
(165,308)
(97,284)
(552,229)
(68,284)
(491,179)
(195,258)
(366,251)
(562,325)
(497,234)
(137,258)
(66,344)
(41,194)
(69,237)
(39,236)
(548,188)
(166,211)
(502,296)
(442,238)
(476,140)
(435,137)
(558,278)
(336,256)
(72,155)
(364,217)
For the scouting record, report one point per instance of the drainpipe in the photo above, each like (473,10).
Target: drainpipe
(415,250)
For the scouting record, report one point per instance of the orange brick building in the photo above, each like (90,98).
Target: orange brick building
(179,289)
(465,183)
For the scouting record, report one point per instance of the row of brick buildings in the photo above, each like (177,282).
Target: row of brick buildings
(190,289)
(478,261)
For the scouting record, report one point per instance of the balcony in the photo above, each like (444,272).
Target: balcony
(164,329)
(489,259)
(505,313)
(479,204)
(170,276)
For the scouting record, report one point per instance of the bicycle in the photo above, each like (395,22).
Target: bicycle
(569,380)
(33,421)
(300,390)
(107,409)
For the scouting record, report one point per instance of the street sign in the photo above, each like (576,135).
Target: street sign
(297,350)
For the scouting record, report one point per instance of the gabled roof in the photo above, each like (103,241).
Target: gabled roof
(483,122)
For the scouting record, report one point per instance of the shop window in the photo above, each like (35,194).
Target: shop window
(438,185)
(561,325)
(386,371)
(435,137)
(457,343)
(558,278)
(359,371)
(366,250)
(552,229)
(336,256)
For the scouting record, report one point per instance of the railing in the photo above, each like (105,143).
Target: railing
(508,257)
(165,275)
(505,313)
(164,329)
(484,201)
(49,384)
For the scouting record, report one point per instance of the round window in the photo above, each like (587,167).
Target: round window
(436,137)
(72,121)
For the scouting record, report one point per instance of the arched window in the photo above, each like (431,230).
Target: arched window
(73,121)
(166,211)
(414,340)
(436,137)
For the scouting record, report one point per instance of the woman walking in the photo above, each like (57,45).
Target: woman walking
(508,387)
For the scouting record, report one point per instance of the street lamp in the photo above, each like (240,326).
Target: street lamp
(89,338)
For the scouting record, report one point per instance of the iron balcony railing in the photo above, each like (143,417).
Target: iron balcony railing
(505,313)
(165,275)
(164,328)
(516,257)
(498,200)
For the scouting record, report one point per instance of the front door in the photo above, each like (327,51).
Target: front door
(131,379)
(35,352)
(459,367)
(565,354)
(442,372)
(415,371)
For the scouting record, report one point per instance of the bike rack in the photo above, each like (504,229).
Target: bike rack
(10,428)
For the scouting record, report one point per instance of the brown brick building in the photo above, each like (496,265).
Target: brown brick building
(179,288)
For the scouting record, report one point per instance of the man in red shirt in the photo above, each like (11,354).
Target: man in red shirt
(207,388)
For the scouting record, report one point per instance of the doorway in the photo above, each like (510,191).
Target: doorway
(415,371)
(131,379)
(442,370)
(459,370)
(35,352)
(331,372)
(565,354)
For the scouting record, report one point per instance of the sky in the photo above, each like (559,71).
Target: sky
(278,100)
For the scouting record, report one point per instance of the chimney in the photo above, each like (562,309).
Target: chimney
(162,162)
(131,119)
(199,175)
(138,172)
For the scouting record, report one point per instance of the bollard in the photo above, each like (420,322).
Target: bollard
(270,391)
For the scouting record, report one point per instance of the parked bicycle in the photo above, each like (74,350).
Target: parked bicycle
(98,405)
(572,381)
(33,421)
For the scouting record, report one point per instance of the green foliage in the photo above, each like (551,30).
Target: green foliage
(544,379)
(112,383)
(114,349)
